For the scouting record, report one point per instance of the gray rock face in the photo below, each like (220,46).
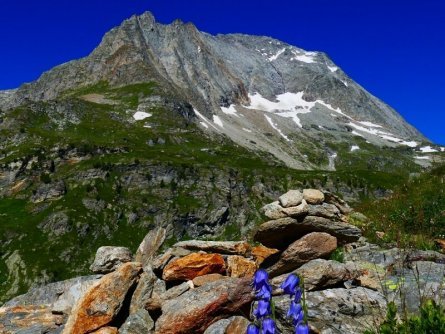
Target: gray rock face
(212,72)
(137,323)
(150,245)
(109,258)
(346,311)
(50,191)
(56,224)
(60,297)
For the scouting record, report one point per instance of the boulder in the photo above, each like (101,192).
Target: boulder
(324,210)
(321,274)
(260,253)
(291,198)
(237,325)
(143,291)
(29,319)
(297,211)
(106,330)
(150,246)
(138,323)
(49,191)
(193,265)
(204,279)
(239,266)
(278,233)
(346,311)
(312,246)
(344,232)
(197,309)
(313,196)
(109,258)
(221,247)
(103,301)
(273,210)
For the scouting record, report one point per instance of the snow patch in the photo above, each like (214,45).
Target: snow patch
(230,110)
(442,149)
(276,128)
(204,125)
(333,68)
(217,121)
(345,83)
(428,149)
(331,158)
(354,148)
(274,57)
(370,124)
(148,126)
(422,158)
(247,130)
(355,133)
(409,143)
(141,115)
(199,49)
(307,57)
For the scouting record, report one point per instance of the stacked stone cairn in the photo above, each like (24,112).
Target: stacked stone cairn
(205,286)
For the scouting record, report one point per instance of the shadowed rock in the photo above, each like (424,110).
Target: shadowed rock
(195,264)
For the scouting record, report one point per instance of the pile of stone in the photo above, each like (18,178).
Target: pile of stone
(205,286)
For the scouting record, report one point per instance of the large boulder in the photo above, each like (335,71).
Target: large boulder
(291,198)
(221,247)
(103,301)
(344,232)
(195,264)
(197,309)
(239,266)
(109,258)
(312,246)
(325,210)
(278,233)
(143,291)
(346,311)
(150,246)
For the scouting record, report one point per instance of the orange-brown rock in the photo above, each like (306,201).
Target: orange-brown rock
(260,253)
(239,266)
(204,279)
(441,244)
(237,326)
(103,301)
(20,319)
(197,309)
(106,330)
(193,265)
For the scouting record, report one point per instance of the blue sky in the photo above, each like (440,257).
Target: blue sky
(395,49)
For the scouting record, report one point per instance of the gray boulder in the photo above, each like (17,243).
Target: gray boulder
(150,245)
(109,258)
(138,323)
(291,198)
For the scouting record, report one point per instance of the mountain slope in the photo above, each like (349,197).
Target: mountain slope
(262,93)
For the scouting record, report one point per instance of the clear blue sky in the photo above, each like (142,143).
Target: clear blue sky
(394,48)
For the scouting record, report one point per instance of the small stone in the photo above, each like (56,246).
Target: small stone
(193,265)
(291,198)
(260,253)
(238,266)
(238,325)
(324,210)
(312,246)
(297,211)
(109,258)
(273,210)
(313,196)
(204,279)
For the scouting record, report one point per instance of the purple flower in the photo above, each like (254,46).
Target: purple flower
(268,326)
(252,329)
(298,294)
(294,310)
(265,292)
(302,328)
(259,279)
(290,284)
(262,309)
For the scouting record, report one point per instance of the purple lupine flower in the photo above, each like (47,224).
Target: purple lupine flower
(290,284)
(252,329)
(260,278)
(268,326)
(302,328)
(263,309)
(265,292)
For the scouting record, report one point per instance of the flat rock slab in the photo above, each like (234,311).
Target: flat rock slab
(312,246)
(205,279)
(197,309)
(103,301)
(221,247)
(150,246)
(193,265)
(109,258)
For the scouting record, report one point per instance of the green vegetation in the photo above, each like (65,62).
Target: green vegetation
(430,321)
(413,216)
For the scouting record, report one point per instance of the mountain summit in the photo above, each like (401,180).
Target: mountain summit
(262,93)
